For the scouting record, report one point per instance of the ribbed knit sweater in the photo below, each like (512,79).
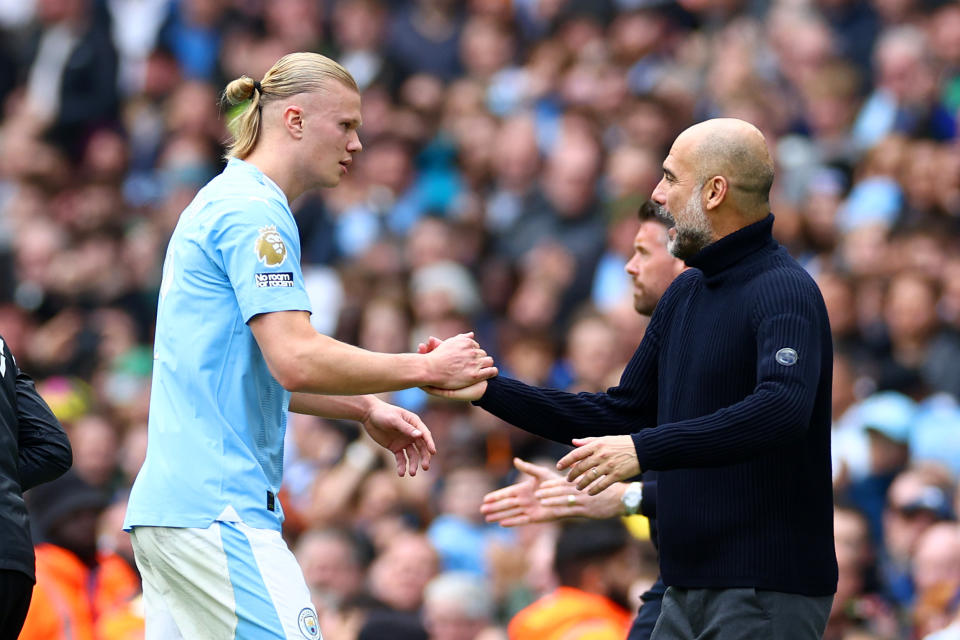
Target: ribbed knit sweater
(728,398)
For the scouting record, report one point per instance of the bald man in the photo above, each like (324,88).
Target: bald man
(727,397)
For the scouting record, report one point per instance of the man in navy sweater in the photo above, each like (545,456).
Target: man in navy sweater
(727,397)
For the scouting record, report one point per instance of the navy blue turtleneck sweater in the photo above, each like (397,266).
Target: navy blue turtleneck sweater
(728,398)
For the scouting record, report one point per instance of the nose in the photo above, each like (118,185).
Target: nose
(354,145)
(659,194)
(632,267)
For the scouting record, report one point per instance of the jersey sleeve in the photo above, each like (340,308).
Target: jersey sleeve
(258,248)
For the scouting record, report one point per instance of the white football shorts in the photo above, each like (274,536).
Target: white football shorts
(226,582)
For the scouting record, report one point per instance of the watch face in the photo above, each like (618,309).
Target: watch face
(632,497)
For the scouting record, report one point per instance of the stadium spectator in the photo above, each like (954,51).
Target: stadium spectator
(76,584)
(457,606)
(595,564)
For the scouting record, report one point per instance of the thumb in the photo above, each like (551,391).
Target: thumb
(534,470)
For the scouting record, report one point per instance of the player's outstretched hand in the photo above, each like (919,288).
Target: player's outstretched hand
(403,433)
(566,501)
(468,392)
(597,463)
(517,504)
(544,496)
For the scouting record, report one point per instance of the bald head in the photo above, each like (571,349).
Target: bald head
(737,151)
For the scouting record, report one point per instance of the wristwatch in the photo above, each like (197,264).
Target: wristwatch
(632,498)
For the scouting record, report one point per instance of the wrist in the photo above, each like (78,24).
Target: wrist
(367,404)
(427,375)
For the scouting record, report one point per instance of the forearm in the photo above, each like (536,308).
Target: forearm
(764,420)
(322,365)
(561,416)
(332,407)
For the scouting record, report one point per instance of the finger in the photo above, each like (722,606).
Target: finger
(413,457)
(495,515)
(556,492)
(505,513)
(557,485)
(586,477)
(535,470)
(574,456)
(499,494)
(401,463)
(423,453)
(485,362)
(555,502)
(602,483)
(503,504)
(583,482)
(500,514)
(486,373)
(567,511)
(515,522)
(580,468)
(437,391)
(421,348)
(418,424)
(579,442)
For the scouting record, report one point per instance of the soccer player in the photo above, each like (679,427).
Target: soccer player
(235,349)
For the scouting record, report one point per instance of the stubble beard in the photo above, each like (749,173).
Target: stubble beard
(687,241)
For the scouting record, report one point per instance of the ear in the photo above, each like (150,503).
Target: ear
(293,121)
(714,192)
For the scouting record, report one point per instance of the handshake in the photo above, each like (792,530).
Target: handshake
(462,365)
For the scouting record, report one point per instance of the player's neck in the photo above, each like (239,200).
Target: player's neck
(277,167)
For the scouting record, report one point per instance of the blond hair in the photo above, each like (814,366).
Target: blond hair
(292,74)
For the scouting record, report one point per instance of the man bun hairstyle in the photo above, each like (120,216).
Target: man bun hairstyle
(292,74)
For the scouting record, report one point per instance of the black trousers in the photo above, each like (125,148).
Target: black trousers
(16,589)
(740,614)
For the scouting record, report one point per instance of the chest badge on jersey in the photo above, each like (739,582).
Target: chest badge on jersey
(787,357)
(269,247)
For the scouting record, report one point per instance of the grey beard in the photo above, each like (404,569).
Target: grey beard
(688,243)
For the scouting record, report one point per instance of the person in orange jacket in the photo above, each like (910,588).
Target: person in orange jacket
(76,585)
(595,565)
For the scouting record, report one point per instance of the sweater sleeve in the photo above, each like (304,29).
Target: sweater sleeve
(561,416)
(44,450)
(789,339)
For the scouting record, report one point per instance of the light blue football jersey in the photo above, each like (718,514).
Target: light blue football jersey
(217,415)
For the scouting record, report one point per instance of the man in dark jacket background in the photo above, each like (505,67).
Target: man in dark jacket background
(33,449)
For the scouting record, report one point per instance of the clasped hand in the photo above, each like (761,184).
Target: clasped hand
(460,385)
(597,463)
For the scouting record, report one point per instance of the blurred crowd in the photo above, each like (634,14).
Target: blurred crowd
(507,148)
